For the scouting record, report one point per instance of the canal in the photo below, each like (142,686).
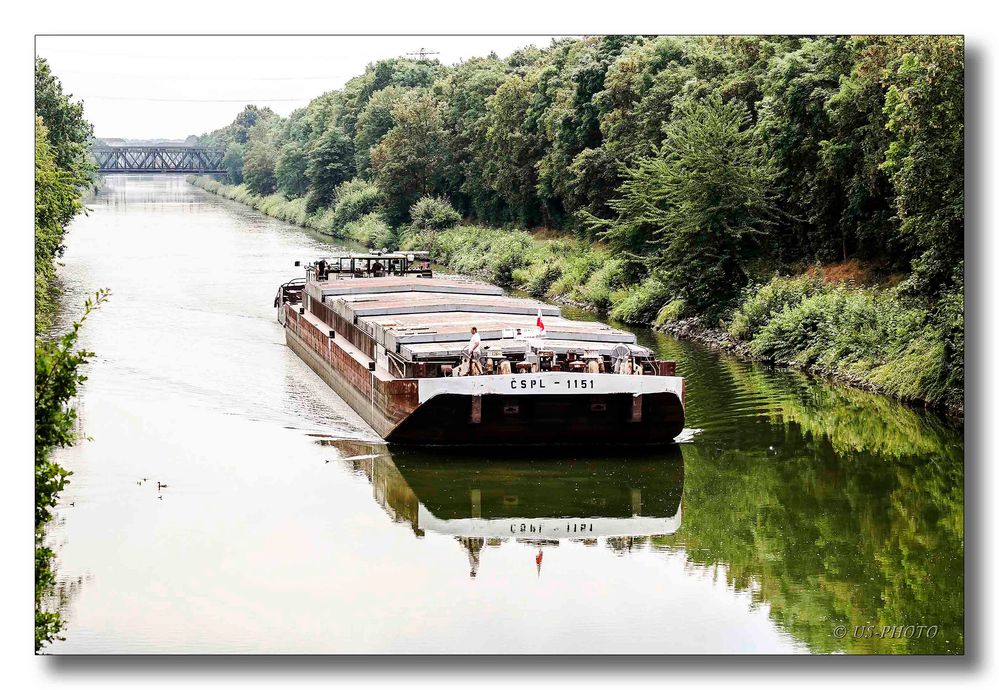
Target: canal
(793,515)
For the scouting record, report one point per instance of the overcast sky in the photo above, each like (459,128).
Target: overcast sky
(170,87)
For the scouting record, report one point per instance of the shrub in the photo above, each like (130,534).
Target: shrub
(491,253)
(371,230)
(872,334)
(602,283)
(538,277)
(917,369)
(506,252)
(277,206)
(671,311)
(322,221)
(354,199)
(294,211)
(576,270)
(949,318)
(434,213)
(413,239)
(641,303)
(760,303)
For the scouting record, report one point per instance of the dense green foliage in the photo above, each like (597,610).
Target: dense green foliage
(890,341)
(705,188)
(63,171)
(434,213)
(68,132)
(352,200)
(328,166)
(702,165)
(925,111)
(857,140)
(57,379)
(56,201)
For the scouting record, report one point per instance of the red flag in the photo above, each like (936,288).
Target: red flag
(541,324)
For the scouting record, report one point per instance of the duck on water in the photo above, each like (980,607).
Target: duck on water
(436,360)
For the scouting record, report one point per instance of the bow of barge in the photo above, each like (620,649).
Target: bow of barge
(390,338)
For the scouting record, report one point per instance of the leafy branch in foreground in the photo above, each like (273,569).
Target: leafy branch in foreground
(57,379)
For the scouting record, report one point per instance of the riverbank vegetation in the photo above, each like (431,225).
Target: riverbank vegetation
(63,172)
(664,179)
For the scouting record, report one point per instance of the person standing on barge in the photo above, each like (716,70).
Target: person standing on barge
(474,343)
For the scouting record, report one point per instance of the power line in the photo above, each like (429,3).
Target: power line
(199,100)
(184,77)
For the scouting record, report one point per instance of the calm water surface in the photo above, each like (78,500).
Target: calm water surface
(791,508)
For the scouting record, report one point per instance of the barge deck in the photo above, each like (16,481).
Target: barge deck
(393,342)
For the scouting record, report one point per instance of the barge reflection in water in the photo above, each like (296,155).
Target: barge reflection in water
(540,501)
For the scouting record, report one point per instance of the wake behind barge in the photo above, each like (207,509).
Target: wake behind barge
(392,340)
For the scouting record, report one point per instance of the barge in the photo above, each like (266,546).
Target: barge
(395,341)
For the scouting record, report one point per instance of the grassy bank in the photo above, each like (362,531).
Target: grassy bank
(878,338)
(875,338)
(356,218)
(872,337)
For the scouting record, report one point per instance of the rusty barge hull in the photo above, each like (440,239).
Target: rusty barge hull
(383,345)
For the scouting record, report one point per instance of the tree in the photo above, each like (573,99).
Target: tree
(330,163)
(57,200)
(409,161)
(373,123)
(68,132)
(924,105)
(794,123)
(247,120)
(700,206)
(513,147)
(63,170)
(258,167)
(290,171)
(402,72)
(463,92)
(849,165)
(640,88)
(571,122)
(233,162)
(595,175)
(862,135)
(238,131)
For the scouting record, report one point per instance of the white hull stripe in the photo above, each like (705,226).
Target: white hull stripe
(550,383)
(550,528)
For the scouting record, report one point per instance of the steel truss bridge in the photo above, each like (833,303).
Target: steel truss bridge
(158,159)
